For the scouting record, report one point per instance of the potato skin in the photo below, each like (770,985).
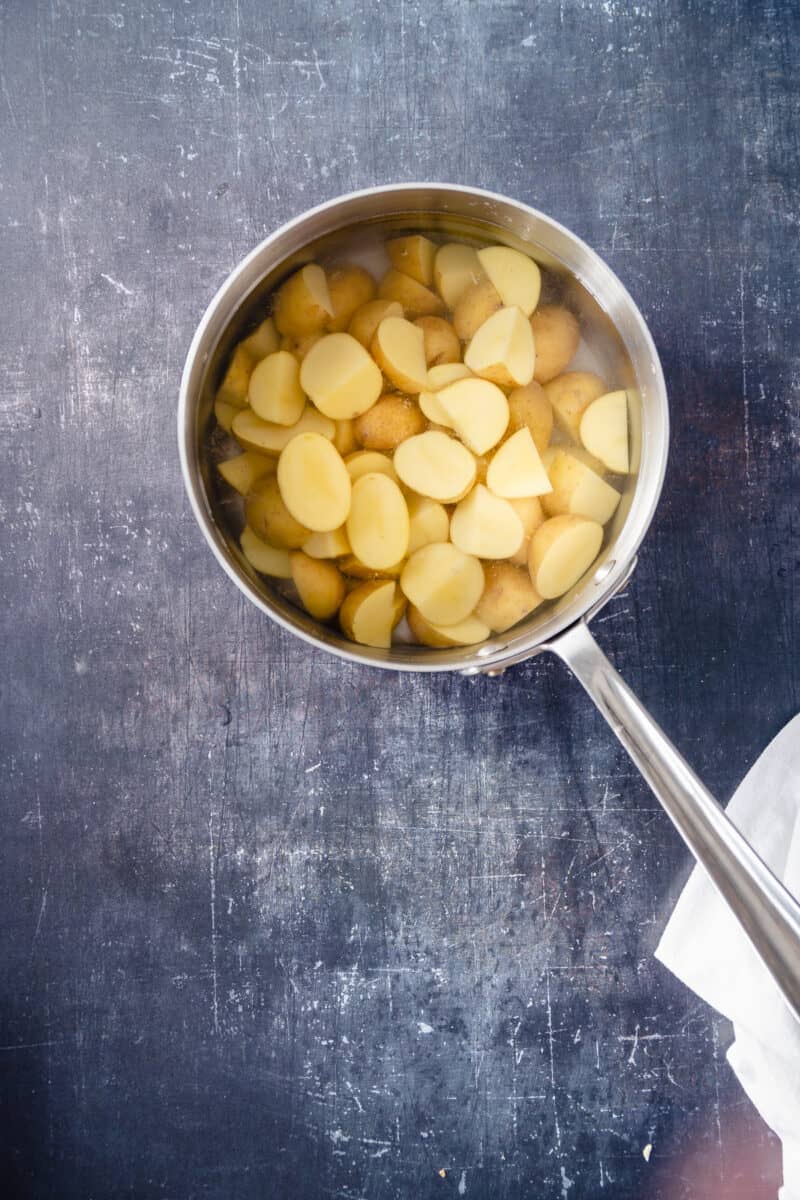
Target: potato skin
(389,422)
(479,302)
(299,346)
(530,407)
(319,584)
(297,310)
(507,597)
(441,341)
(350,288)
(367,318)
(416,299)
(268,516)
(570,395)
(556,334)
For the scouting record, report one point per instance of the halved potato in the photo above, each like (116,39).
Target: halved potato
(561,550)
(413,255)
(398,348)
(529,510)
(266,559)
(604,431)
(502,349)
(468,632)
(435,465)
(388,423)
(442,346)
(340,377)
(556,335)
(354,568)
(314,482)
(330,543)
(268,516)
(530,408)
(416,299)
(477,410)
(429,522)
(269,438)
(367,319)
(370,612)
(516,469)
(438,377)
(225,413)
(570,395)
(515,277)
(476,305)
(299,346)
(349,289)
(456,267)
(262,341)
(242,471)
(508,596)
(443,582)
(485,525)
(303,303)
(274,390)
(233,389)
(577,489)
(320,585)
(378,523)
(344,438)
(369,462)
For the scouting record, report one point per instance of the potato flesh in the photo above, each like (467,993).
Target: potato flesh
(414,256)
(388,423)
(299,346)
(456,268)
(340,377)
(477,410)
(441,342)
(344,439)
(529,406)
(242,471)
(531,514)
(370,612)
(303,303)
(349,289)
(331,543)
(443,582)
(435,465)
(314,482)
(225,414)
(468,632)
(507,597)
(274,391)
(378,522)
(486,526)
(438,377)
(416,299)
(267,515)
(368,462)
(475,306)
(268,438)
(266,559)
(516,278)
(604,431)
(429,522)
(577,489)
(398,348)
(570,395)
(516,469)
(556,336)
(367,319)
(561,551)
(264,340)
(320,585)
(233,388)
(501,350)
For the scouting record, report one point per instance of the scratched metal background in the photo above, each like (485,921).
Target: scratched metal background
(273,926)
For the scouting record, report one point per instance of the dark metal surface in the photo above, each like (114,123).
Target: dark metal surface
(273,925)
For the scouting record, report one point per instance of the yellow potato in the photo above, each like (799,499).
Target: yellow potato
(455,269)
(299,346)
(267,437)
(570,395)
(369,462)
(262,341)
(378,523)
(486,526)
(354,568)
(475,306)
(225,413)
(398,348)
(508,596)
(266,559)
(340,377)
(443,582)
(344,438)
(516,469)
(320,585)
(556,335)
(516,278)
(268,516)
(416,299)
(242,471)
(477,410)
(367,319)
(501,350)
(530,408)
(435,465)
(530,513)
(577,489)
(233,389)
(442,346)
(466,633)
(413,255)
(314,482)
(303,302)
(370,612)
(274,391)
(388,423)
(349,288)
(428,522)
(561,550)
(439,377)
(330,543)
(482,467)
(604,431)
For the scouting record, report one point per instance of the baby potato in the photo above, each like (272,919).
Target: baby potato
(516,278)
(477,410)
(368,317)
(439,377)
(516,469)
(561,550)
(225,414)
(443,582)
(604,431)
(314,482)
(455,268)
(398,348)
(303,303)
(388,423)
(369,462)
(299,346)
(233,389)
(436,466)
(267,437)
(262,341)
(570,395)
(529,511)
(242,471)
(556,335)
(508,596)
(486,526)
(354,568)
(349,288)
(340,377)
(344,439)
(274,390)
(370,612)
(501,350)
(428,522)
(266,559)
(416,299)
(320,585)
(441,341)
(468,632)
(414,256)
(330,543)
(378,522)
(479,302)
(268,516)
(530,408)
(577,489)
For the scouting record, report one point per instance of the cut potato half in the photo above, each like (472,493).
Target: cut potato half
(378,523)
(442,346)
(468,632)
(443,582)
(370,612)
(508,596)
(314,482)
(577,489)
(354,568)
(388,423)
(502,349)
(604,431)
(429,522)
(456,268)
(515,277)
(267,515)
(477,410)
(531,514)
(331,543)
(436,466)
(476,305)
(556,335)
(233,388)
(413,255)
(570,395)
(274,391)
(416,299)
(366,319)
(349,288)
(320,585)
(225,414)
(340,377)
(299,346)
(485,525)
(344,439)
(369,462)
(562,550)
(242,471)
(398,348)
(266,559)
(529,407)
(303,303)
(269,438)
(438,377)
(516,469)
(262,341)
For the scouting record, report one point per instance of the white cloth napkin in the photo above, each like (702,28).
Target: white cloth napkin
(703,945)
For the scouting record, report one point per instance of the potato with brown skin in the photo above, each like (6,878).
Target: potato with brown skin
(388,423)
(368,317)
(371,611)
(262,341)
(245,469)
(268,516)
(570,395)
(478,303)
(530,512)
(303,303)
(299,346)
(413,255)
(441,341)
(345,437)
(398,348)
(561,550)
(233,388)
(507,597)
(319,584)
(556,334)
(416,299)
(350,288)
(529,407)
(468,632)
(354,568)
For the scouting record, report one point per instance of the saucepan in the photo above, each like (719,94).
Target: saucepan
(614,327)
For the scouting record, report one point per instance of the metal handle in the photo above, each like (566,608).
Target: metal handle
(764,908)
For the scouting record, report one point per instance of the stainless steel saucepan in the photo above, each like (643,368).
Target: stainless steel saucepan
(617,342)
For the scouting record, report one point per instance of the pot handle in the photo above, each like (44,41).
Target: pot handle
(763,907)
